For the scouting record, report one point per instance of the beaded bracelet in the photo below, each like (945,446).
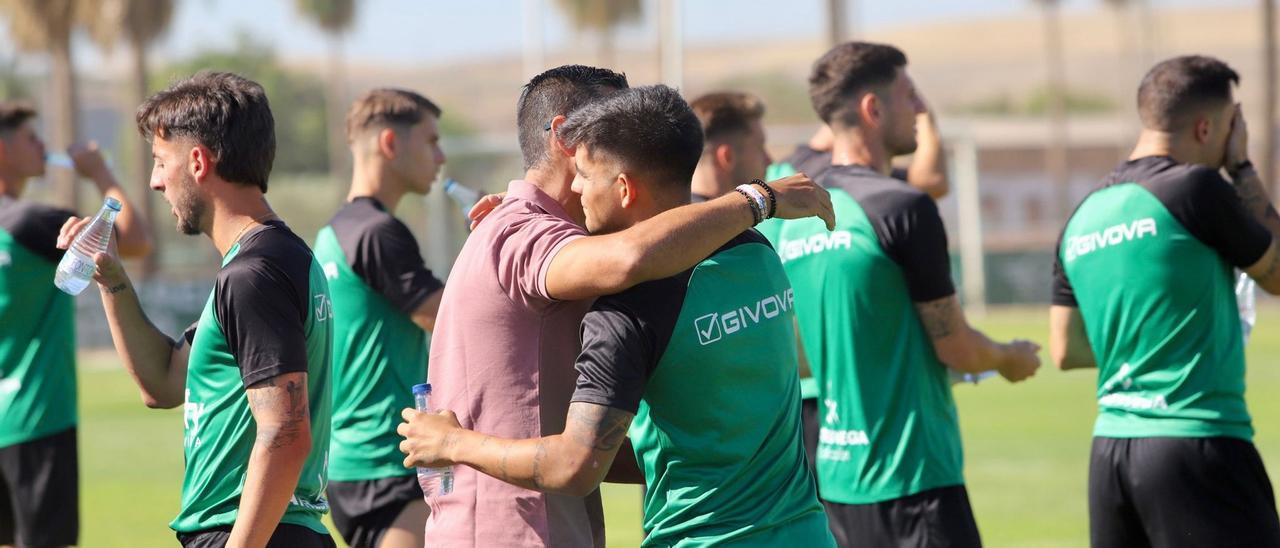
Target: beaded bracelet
(773,198)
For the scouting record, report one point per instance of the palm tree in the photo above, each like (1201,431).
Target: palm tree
(836,18)
(138,23)
(1269,96)
(45,26)
(335,18)
(1056,152)
(601,17)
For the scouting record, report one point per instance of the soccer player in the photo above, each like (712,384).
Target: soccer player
(39,494)
(384,302)
(880,320)
(506,335)
(927,170)
(704,361)
(1143,291)
(252,375)
(734,143)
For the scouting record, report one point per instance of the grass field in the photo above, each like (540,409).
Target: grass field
(1026,449)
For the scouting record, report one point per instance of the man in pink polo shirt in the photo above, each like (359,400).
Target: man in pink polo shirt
(506,338)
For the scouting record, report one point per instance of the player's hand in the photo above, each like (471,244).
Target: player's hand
(483,207)
(110,273)
(800,197)
(1021,362)
(1237,141)
(428,437)
(89,162)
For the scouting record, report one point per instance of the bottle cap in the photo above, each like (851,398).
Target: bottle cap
(112,203)
(424,388)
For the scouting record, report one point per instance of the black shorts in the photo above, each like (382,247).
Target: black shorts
(809,425)
(287,535)
(364,510)
(39,492)
(1179,492)
(936,518)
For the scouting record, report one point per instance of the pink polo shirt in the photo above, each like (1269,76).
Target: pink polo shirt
(502,358)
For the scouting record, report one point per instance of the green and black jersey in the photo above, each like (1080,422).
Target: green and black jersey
(888,421)
(269,314)
(1148,259)
(37,326)
(706,360)
(377,279)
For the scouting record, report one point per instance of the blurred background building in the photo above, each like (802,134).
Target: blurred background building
(1035,98)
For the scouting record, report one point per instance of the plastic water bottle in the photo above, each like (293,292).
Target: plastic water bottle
(59,160)
(958,377)
(465,197)
(1246,301)
(77,266)
(434,481)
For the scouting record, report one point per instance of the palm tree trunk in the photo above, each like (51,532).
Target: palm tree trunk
(1056,151)
(142,159)
(63,118)
(836,32)
(1268,170)
(335,103)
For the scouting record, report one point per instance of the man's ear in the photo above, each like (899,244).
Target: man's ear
(200,163)
(1201,129)
(869,109)
(557,144)
(628,190)
(387,144)
(724,156)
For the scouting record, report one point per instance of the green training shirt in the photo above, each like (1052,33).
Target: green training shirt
(1147,258)
(889,427)
(707,361)
(377,279)
(269,314)
(37,326)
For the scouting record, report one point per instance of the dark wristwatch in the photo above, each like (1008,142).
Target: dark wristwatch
(1239,168)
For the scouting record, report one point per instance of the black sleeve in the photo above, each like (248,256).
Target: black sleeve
(623,338)
(35,226)
(898,173)
(262,311)
(387,258)
(1063,293)
(1211,210)
(189,334)
(911,233)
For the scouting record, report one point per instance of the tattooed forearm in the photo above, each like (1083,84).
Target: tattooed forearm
(281,410)
(117,288)
(938,316)
(502,467)
(596,426)
(539,453)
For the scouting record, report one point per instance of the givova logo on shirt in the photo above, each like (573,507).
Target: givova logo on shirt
(1079,246)
(789,250)
(324,307)
(713,327)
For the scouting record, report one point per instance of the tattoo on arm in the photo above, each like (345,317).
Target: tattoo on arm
(291,402)
(599,427)
(117,288)
(936,317)
(539,454)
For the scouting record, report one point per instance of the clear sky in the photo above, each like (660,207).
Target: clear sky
(433,31)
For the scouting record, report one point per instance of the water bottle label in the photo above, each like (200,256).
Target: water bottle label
(81,268)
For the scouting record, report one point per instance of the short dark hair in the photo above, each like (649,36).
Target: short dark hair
(388,107)
(224,112)
(556,92)
(1176,89)
(650,130)
(727,114)
(847,71)
(13,114)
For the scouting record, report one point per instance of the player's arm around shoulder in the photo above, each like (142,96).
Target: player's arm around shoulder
(282,415)
(673,241)
(571,463)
